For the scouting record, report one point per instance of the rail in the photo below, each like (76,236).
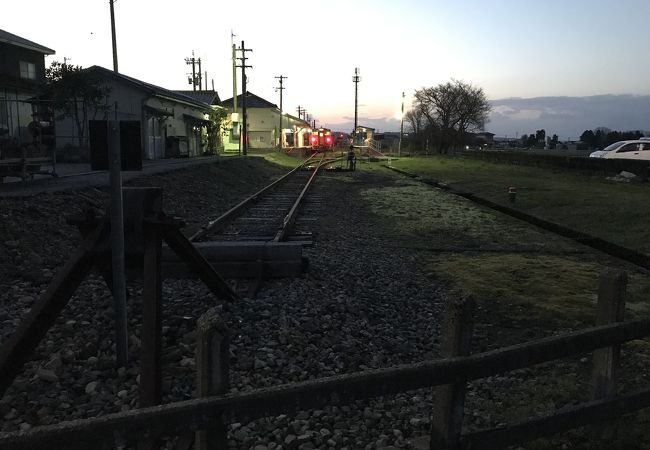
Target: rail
(449,374)
(290,218)
(220,221)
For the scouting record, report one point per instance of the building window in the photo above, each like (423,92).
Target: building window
(27,70)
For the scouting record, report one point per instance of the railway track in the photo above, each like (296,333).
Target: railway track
(269,215)
(263,236)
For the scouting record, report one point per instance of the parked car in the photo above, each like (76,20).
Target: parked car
(634,149)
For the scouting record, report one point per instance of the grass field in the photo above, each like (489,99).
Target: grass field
(527,282)
(618,212)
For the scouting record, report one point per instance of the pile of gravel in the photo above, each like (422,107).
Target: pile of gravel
(359,307)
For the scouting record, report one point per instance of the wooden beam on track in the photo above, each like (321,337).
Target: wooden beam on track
(244,259)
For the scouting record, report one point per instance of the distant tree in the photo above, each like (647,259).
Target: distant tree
(415,119)
(524,140)
(540,137)
(554,141)
(589,138)
(76,93)
(532,140)
(416,123)
(452,110)
(216,119)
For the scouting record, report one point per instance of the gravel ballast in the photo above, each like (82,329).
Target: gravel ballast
(360,306)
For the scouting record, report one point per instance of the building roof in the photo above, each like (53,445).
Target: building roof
(209,97)
(18,41)
(294,118)
(252,101)
(148,88)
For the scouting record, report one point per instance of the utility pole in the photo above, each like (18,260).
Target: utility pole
(355,79)
(110,2)
(301,112)
(244,132)
(118,264)
(234,73)
(199,75)
(196,79)
(401,128)
(281,78)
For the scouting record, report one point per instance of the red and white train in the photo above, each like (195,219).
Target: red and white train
(321,140)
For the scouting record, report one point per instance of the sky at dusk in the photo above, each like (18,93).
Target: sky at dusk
(510,48)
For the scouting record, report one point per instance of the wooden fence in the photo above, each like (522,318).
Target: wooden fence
(208,414)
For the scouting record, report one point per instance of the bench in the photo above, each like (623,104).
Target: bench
(24,168)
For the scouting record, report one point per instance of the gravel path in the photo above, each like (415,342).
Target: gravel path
(360,306)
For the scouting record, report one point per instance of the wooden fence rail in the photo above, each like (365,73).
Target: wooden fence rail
(201,413)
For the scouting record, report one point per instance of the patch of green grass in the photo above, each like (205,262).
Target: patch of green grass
(423,216)
(528,286)
(616,212)
(532,274)
(277,157)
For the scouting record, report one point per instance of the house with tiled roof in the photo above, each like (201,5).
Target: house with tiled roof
(155,122)
(22,76)
(263,123)
(210,97)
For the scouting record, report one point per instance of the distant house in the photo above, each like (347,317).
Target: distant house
(209,97)
(263,122)
(22,76)
(155,122)
(363,136)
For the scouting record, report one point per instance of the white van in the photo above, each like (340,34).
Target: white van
(636,149)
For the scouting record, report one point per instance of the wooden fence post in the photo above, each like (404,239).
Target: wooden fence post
(611,308)
(449,400)
(213,373)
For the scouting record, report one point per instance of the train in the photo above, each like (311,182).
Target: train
(321,140)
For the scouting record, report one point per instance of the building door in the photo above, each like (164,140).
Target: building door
(130,144)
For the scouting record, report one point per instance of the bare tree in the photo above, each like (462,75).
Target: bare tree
(452,110)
